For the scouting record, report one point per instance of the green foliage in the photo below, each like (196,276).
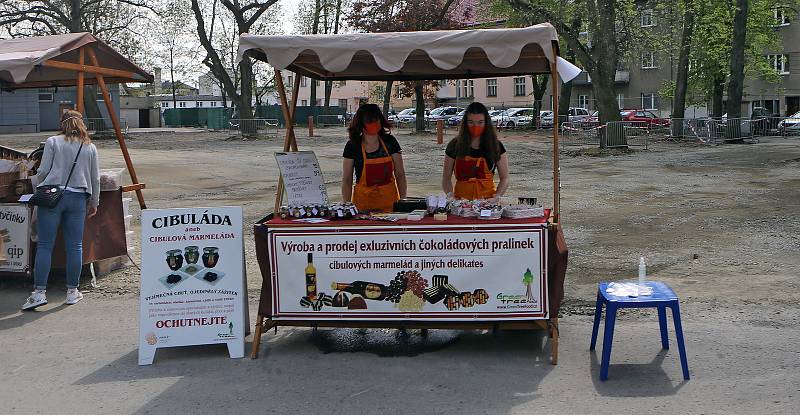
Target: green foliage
(527,279)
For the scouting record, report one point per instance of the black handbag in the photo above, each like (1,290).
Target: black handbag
(48,196)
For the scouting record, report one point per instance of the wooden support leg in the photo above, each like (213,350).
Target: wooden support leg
(257,336)
(554,340)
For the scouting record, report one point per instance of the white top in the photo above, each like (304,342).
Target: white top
(59,154)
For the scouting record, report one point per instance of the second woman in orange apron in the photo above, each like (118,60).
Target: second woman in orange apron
(376,158)
(474,155)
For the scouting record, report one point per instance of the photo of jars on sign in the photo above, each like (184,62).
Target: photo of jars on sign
(186,263)
(408,290)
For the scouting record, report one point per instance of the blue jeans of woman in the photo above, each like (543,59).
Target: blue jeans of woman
(70,213)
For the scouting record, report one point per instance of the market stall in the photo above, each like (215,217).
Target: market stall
(75,59)
(480,266)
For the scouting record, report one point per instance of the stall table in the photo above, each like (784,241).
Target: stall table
(282,247)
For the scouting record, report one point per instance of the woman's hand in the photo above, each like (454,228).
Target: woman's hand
(90,211)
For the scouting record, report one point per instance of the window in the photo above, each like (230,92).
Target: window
(213,103)
(303,102)
(165,104)
(303,81)
(649,101)
(343,102)
(648,19)
(199,103)
(648,60)
(491,87)
(780,63)
(289,80)
(781,19)
(316,82)
(620,100)
(182,104)
(468,88)
(45,95)
(399,94)
(519,86)
(583,101)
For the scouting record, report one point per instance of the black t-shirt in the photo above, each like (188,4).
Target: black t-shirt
(353,151)
(451,152)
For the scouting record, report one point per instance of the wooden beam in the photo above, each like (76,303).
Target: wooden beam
(79,89)
(94,69)
(556,166)
(133,187)
(117,130)
(288,139)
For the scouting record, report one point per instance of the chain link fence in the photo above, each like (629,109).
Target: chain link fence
(254,127)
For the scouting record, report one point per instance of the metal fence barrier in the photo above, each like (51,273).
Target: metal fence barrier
(324,120)
(581,133)
(254,127)
(101,125)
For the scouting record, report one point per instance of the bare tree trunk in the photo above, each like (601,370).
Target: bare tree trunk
(539,89)
(419,93)
(172,80)
(387,96)
(736,79)
(681,83)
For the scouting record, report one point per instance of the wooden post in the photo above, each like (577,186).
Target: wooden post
(556,168)
(257,336)
(310,125)
(439,131)
(290,142)
(79,90)
(117,130)
(554,340)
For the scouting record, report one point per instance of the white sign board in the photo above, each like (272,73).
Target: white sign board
(15,230)
(192,283)
(302,178)
(467,273)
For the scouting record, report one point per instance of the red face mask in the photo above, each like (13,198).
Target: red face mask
(476,130)
(372,128)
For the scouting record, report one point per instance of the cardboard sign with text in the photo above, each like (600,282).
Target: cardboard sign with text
(302,178)
(192,284)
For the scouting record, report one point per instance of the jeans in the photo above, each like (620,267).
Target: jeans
(70,213)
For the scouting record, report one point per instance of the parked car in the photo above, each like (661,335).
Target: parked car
(790,125)
(514,117)
(456,119)
(644,116)
(546,119)
(496,116)
(442,113)
(409,115)
(578,114)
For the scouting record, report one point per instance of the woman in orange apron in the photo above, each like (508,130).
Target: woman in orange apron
(376,158)
(474,155)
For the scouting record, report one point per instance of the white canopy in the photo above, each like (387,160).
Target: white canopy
(441,54)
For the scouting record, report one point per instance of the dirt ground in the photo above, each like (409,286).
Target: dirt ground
(719,224)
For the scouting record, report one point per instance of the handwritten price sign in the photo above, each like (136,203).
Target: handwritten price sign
(302,178)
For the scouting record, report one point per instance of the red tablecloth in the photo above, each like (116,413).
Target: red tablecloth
(556,265)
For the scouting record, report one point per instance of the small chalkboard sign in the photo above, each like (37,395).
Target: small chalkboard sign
(302,178)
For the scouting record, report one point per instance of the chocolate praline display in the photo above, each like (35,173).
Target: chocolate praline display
(173,279)
(357,303)
(210,276)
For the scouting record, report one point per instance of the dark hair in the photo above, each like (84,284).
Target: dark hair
(367,112)
(489,143)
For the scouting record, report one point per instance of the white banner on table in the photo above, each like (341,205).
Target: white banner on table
(192,282)
(302,178)
(480,272)
(15,230)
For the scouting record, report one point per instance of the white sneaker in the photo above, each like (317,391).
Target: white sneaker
(35,300)
(73,296)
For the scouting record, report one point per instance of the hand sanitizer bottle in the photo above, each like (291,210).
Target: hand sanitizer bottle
(642,275)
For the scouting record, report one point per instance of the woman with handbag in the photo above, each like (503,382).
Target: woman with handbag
(67,194)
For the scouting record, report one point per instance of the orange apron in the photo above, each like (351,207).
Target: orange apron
(474,180)
(377,189)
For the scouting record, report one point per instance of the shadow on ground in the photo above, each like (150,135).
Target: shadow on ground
(348,371)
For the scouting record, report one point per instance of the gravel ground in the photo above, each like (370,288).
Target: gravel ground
(719,224)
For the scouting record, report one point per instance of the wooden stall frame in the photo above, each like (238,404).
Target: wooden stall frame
(263,323)
(81,69)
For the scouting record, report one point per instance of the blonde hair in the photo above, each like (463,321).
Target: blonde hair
(73,128)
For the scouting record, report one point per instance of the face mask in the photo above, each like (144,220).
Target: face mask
(372,128)
(476,130)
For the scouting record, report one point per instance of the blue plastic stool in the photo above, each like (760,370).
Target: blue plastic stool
(662,297)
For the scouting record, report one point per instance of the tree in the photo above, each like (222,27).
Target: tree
(404,16)
(176,51)
(682,77)
(600,59)
(539,89)
(736,79)
(245,17)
